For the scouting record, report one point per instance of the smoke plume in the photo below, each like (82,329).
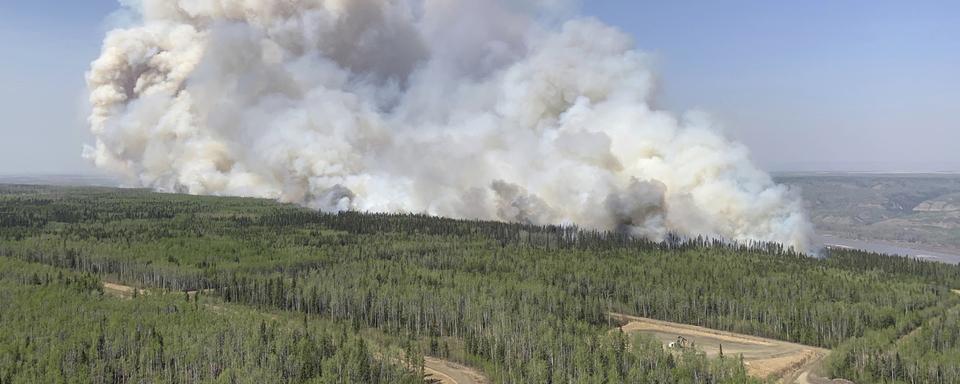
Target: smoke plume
(462,108)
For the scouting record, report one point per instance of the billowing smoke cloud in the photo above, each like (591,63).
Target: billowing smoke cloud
(461,108)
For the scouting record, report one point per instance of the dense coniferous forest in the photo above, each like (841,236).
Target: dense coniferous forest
(523,304)
(59,327)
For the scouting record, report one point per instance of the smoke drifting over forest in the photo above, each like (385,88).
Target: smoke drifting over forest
(460,108)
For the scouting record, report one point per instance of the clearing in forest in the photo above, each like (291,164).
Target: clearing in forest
(119,290)
(445,372)
(763,358)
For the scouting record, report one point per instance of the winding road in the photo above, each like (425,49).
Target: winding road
(764,358)
(445,372)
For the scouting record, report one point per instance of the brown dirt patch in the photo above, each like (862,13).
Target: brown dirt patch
(764,358)
(120,290)
(446,372)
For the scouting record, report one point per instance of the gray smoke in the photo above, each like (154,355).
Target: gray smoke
(461,108)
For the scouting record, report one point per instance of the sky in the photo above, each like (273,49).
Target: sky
(827,85)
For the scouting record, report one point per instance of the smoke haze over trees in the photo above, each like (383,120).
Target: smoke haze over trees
(490,110)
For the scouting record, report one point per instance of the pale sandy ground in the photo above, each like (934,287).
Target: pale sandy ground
(121,291)
(764,358)
(445,372)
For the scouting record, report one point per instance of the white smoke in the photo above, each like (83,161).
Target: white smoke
(461,108)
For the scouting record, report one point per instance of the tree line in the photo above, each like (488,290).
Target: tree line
(523,303)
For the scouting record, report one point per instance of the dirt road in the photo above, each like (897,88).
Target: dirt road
(438,371)
(764,358)
(445,372)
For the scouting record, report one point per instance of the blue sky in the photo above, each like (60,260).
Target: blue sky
(48,46)
(807,85)
(812,85)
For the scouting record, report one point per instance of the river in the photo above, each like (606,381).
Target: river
(888,248)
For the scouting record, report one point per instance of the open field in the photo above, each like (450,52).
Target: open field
(763,358)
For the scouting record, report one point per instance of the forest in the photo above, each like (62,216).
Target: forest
(250,290)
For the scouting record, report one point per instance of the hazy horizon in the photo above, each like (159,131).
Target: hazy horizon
(818,86)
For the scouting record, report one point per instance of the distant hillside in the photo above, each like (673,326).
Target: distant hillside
(919,209)
(61,180)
